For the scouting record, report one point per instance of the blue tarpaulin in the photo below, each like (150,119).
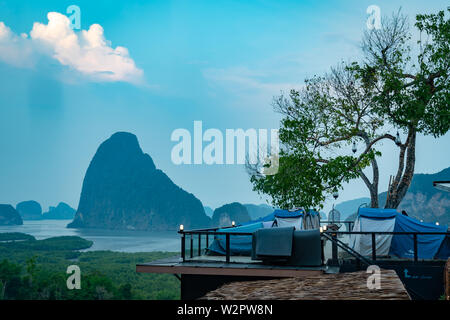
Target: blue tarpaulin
(376,213)
(428,246)
(279,213)
(239,245)
(242,245)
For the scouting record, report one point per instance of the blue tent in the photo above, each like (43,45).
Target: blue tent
(372,219)
(429,246)
(280,213)
(242,245)
(239,245)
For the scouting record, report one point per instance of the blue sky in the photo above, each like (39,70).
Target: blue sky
(216,61)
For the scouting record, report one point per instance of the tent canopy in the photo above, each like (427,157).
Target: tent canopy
(372,219)
(241,245)
(376,213)
(279,213)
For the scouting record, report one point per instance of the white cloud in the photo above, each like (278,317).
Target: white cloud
(14,50)
(87,52)
(246,79)
(251,87)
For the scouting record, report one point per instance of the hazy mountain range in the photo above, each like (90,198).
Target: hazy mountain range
(123,189)
(422,201)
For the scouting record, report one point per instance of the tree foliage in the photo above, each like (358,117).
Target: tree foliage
(36,269)
(397,86)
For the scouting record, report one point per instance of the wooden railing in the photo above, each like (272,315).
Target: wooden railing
(373,239)
(331,235)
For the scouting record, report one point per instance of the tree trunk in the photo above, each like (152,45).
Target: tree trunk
(373,189)
(3,290)
(372,186)
(403,180)
(374,198)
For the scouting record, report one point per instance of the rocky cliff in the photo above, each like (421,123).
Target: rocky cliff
(224,215)
(423,201)
(9,216)
(62,211)
(29,210)
(122,189)
(257,211)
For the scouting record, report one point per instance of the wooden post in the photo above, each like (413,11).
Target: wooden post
(416,254)
(334,250)
(227,248)
(322,244)
(192,246)
(447,279)
(183,247)
(374,248)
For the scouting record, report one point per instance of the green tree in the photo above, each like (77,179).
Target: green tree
(10,280)
(124,292)
(363,103)
(412,90)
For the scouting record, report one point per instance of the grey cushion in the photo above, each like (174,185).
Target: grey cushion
(273,242)
(306,249)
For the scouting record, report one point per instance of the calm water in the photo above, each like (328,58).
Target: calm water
(125,241)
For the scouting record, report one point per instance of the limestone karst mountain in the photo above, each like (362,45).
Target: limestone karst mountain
(29,210)
(9,216)
(122,189)
(224,215)
(61,212)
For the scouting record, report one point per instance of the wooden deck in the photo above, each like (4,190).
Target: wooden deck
(246,267)
(343,286)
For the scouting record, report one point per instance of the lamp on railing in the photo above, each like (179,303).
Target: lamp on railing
(397,139)
(321,229)
(324,228)
(354,147)
(181,227)
(233,224)
(437,223)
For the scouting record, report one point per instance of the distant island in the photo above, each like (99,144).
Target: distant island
(32,210)
(9,216)
(255,211)
(226,214)
(29,210)
(61,212)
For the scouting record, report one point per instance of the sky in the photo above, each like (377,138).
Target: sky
(151,67)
